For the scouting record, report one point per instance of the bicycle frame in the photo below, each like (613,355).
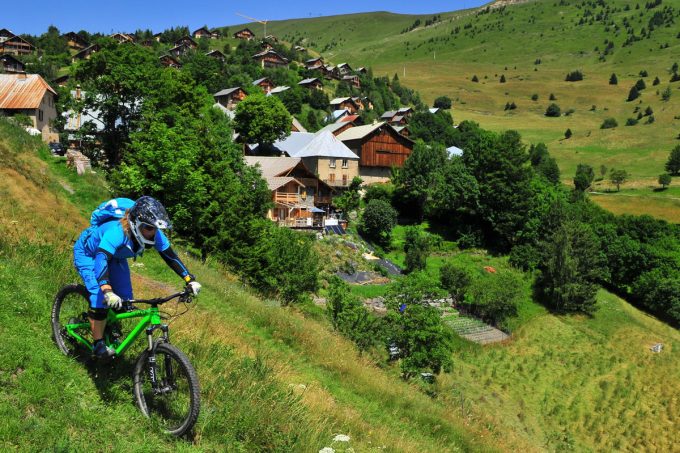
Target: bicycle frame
(150,317)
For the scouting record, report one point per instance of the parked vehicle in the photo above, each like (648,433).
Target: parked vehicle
(57,149)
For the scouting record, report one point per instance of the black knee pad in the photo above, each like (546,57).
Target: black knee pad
(98,314)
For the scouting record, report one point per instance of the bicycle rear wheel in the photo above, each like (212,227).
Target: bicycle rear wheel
(175,403)
(70,307)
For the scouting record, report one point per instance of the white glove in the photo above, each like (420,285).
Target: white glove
(113,300)
(195,287)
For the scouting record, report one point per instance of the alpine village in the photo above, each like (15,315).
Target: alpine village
(444,232)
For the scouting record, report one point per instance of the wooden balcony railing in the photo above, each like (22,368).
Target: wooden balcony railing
(287,197)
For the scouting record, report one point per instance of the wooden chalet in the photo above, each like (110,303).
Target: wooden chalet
(300,198)
(299,49)
(244,33)
(271,59)
(169,61)
(157,37)
(148,42)
(312,84)
(61,81)
(328,71)
(13,44)
(264,83)
(75,41)
(405,112)
(265,45)
(123,38)
(9,64)
(271,38)
(361,70)
(5,34)
(202,32)
(187,41)
(217,55)
(403,130)
(86,53)
(230,97)
(379,148)
(343,69)
(30,95)
(345,103)
(352,80)
(314,63)
(180,50)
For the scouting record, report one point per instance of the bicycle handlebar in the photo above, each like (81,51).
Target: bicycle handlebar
(185,296)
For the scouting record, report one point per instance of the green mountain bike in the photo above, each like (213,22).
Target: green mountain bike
(165,383)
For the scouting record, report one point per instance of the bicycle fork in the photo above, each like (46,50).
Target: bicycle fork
(166,383)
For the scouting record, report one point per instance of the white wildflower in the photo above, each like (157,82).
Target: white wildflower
(341,438)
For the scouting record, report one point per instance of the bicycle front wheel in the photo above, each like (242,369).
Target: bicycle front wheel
(175,402)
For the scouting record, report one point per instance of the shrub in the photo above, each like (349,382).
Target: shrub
(650,119)
(567,134)
(666,94)
(673,163)
(609,123)
(416,247)
(455,280)
(534,97)
(665,180)
(379,192)
(494,297)
(613,80)
(442,102)
(618,177)
(552,97)
(584,177)
(631,122)
(553,110)
(640,85)
(416,328)
(649,111)
(656,81)
(474,78)
(377,222)
(644,73)
(502,78)
(633,94)
(574,76)
(349,316)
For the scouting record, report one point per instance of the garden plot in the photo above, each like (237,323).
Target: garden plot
(475,330)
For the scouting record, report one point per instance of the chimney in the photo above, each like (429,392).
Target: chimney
(78,92)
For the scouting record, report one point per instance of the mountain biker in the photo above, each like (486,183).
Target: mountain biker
(101,253)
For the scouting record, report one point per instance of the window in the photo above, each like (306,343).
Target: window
(344,180)
(345,164)
(331,163)
(40,115)
(331,177)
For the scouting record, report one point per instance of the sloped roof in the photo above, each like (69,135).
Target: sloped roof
(388,114)
(433,110)
(272,52)
(278,90)
(274,182)
(273,166)
(359,132)
(454,151)
(259,81)
(294,142)
(404,110)
(230,113)
(398,118)
(339,100)
(333,127)
(308,81)
(298,125)
(226,91)
(22,91)
(325,144)
(348,118)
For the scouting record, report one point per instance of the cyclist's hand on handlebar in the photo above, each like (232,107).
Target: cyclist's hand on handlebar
(194,287)
(113,300)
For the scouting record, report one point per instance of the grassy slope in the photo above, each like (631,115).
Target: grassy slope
(565,381)
(538,29)
(271,378)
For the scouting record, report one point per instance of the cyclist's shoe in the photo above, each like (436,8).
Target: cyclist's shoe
(103,352)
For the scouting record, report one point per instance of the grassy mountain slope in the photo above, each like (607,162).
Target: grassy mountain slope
(436,60)
(275,379)
(271,378)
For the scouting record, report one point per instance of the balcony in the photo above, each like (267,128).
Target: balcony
(287,198)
